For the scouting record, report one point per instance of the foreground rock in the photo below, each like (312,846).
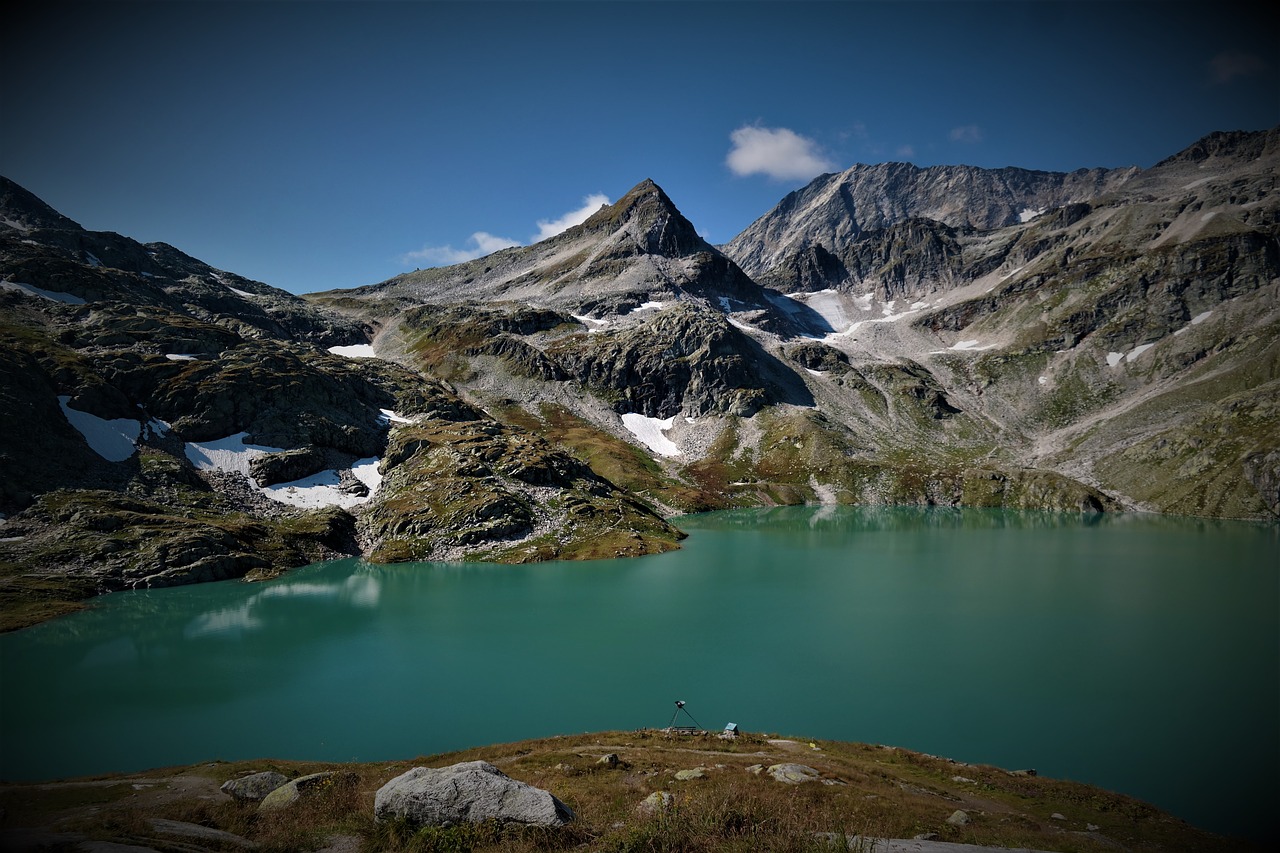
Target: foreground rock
(254,788)
(793,774)
(470,792)
(310,785)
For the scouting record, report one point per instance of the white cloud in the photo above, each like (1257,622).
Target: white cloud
(552,227)
(780,153)
(483,242)
(905,152)
(1231,64)
(966,133)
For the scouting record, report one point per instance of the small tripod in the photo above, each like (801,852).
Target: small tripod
(680,707)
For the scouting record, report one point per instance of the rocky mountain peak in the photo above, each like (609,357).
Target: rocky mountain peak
(21,210)
(650,217)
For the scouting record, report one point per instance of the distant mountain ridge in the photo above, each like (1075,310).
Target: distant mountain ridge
(835,209)
(1085,341)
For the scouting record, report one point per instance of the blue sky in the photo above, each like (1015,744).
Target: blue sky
(316,145)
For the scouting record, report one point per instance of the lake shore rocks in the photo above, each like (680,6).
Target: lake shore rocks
(469,792)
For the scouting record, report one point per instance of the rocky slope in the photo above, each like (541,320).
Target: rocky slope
(163,422)
(1088,341)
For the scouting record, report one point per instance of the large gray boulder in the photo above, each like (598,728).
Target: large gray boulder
(255,787)
(311,785)
(470,792)
(793,774)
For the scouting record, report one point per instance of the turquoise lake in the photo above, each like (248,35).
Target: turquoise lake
(1140,653)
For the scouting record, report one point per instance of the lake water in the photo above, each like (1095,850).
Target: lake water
(1139,653)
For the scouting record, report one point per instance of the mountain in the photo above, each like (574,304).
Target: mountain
(164,422)
(841,210)
(1093,341)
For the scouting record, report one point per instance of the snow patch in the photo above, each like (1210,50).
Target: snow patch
(114,440)
(1137,351)
(972,344)
(1208,216)
(1195,321)
(233,455)
(1114,358)
(92,259)
(179,356)
(651,306)
(1043,380)
(593,325)
(650,432)
(51,295)
(322,489)
(354,351)
(830,307)
(239,292)
(1027,214)
(229,454)
(390,417)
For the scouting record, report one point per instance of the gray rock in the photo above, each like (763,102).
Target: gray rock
(693,773)
(202,833)
(470,792)
(304,786)
(958,818)
(658,801)
(255,787)
(793,774)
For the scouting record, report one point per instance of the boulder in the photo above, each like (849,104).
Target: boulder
(254,788)
(694,773)
(793,774)
(958,818)
(304,786)
(658,801)
(470,792)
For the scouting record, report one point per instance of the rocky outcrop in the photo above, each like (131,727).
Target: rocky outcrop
(470,792)
(473,483)
(685,359)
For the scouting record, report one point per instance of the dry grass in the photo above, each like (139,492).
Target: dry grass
(867,791)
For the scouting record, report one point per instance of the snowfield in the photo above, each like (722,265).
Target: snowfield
(232,454)
(650,432)
(51,295)
(354,351)
(114,440)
